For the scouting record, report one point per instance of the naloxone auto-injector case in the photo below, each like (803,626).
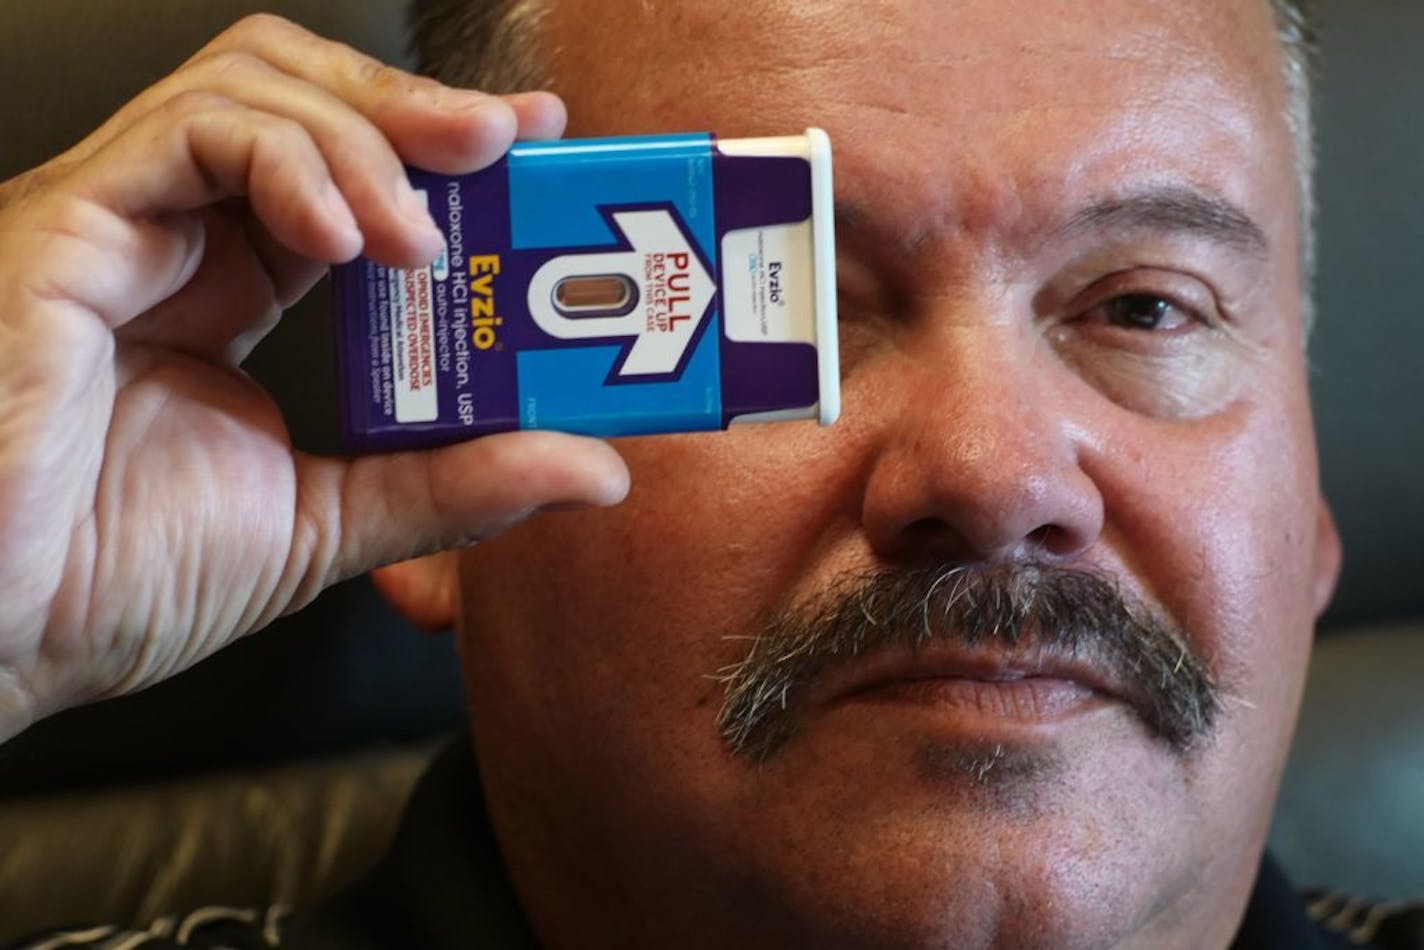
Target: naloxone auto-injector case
(629,286)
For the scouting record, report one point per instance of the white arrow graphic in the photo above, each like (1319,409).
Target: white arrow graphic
(675,293)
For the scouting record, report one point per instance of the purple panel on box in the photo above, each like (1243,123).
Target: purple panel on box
(754,191)
(757,192)
(758,375)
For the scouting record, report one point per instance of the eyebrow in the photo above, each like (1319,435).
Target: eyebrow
(1166,210)
(1173,210)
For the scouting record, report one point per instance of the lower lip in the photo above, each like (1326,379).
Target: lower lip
(1029,700)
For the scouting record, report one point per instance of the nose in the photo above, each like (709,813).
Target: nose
(977,454)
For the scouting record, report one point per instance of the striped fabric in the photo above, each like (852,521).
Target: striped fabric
(1384,925)
(1395,925)
(209,928)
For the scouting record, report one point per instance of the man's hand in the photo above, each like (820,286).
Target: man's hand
(152,508)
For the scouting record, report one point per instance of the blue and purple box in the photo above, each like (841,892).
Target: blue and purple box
(608,287)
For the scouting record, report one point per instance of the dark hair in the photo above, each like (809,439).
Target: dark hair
(491,45)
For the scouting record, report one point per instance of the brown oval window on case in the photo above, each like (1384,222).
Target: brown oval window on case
(593,295)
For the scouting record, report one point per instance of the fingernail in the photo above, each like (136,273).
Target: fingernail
(609,489)
(416,210)
(497,112)
(559,506)
(413,204)
(612,487)
(338,212)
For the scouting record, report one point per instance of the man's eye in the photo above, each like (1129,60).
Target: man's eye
(1145,312)
(1153,340)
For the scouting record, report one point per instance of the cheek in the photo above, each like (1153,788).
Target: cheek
(1216,519)
(616,622)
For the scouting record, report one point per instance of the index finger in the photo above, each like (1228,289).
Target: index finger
(430,125)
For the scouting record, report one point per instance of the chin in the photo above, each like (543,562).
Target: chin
(930,892)
(933,841)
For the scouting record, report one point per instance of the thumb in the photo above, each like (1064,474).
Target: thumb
(354,515)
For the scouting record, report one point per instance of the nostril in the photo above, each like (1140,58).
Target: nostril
(1050,539)
(924,531)
(940,537)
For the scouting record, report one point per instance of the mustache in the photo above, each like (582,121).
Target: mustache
(1018,607)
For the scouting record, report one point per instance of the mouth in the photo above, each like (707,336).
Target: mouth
(989,686)
(1002,651)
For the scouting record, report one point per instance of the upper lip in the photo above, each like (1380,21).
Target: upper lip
(949,661)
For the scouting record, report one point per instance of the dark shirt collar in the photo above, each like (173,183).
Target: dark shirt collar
(1276,918)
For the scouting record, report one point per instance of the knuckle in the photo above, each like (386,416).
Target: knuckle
(285,136)
(372,75)
(373,72)
(383,88)
(193,103)
(66,217)
(236,64)
(256,28)
(252,34)
(35,180)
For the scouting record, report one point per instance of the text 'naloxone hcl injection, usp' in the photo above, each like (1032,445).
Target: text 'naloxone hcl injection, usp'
(673,283)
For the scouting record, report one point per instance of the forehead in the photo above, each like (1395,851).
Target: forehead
(1006,97)
(689,53)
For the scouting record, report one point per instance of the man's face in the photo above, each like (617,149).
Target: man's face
(1071,338)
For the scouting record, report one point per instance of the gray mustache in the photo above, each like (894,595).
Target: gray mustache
(1017,606)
